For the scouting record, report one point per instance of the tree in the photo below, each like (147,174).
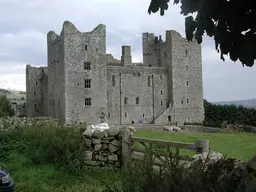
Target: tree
(230,22)
(5,106)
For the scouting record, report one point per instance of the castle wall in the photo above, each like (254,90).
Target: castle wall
(88,104)
(36,89)
(136,82)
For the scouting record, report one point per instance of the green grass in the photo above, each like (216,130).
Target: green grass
(239,145)
(45,178)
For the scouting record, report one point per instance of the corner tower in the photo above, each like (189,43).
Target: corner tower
(185,78)
(85,74)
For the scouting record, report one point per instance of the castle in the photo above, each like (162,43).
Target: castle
(82,83)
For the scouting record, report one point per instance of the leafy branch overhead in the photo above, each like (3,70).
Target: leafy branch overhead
(230,22)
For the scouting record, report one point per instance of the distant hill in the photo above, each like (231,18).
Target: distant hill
(14,96)
(249,103)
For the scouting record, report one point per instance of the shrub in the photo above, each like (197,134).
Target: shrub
(219,176)
(43,143)
(55,144)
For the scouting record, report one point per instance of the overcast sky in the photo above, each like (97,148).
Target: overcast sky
(25,23)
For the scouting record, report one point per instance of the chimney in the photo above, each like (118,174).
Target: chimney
(126,57)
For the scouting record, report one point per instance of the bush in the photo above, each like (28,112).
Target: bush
(219,176)
(55,144)
(45,144)
(5,107)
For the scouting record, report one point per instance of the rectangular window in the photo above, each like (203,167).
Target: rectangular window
(85,47)
(35,106)
(88,101)
(87,83)
(34,92)
(187,83)
(87,65)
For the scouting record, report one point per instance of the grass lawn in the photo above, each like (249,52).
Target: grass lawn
(45,178)
(239,145)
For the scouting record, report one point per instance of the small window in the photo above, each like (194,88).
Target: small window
(187,100)
(150,65)
(75,104)
(137,100)
(87,65)
(108,115)
(149,81)
(57,61)
(125,114)
(161,77)
(187,83)
(143,115)
(36,82)
(34,92)
(35,106)
(186,68)
(87,83)
(113,80)
(88,101)
(161,103)
(181,102)
(186,51)
(125,100)
(85,47)
(161,92)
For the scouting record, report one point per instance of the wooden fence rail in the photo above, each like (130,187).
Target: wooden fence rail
(130,151)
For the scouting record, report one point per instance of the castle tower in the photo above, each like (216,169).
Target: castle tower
(185,78)
(85,74)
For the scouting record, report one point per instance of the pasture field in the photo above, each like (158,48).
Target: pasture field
(238,145)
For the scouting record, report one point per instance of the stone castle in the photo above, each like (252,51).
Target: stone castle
(82,83)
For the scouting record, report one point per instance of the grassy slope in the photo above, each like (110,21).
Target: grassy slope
(15,95)
(45,178)
(239,145)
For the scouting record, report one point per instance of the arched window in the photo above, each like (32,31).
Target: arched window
(137,100)
(125,100)
(113,80)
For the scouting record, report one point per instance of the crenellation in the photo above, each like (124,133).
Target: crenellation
(83,83)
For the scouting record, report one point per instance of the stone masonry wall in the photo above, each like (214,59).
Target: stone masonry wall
(103,147)
(168,84)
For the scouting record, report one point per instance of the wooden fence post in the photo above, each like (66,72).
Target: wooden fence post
(126,148)
(202,146)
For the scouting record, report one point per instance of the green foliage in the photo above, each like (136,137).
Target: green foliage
(50,144)
(200,176)
(57,145)
(4,91)
(215,115)
(231,23)
(5,107)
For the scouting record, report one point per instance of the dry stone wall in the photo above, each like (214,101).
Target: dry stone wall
(103,148)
